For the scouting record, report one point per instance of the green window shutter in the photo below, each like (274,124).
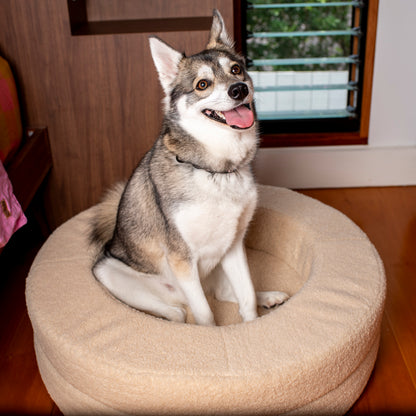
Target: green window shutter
(306,61)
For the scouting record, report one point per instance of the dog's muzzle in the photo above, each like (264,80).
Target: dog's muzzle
(241,116)
(238,91)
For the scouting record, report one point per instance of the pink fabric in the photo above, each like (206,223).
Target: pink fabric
(11,214)
(10,120)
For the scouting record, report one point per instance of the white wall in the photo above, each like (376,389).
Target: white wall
(390,157)
(393,105)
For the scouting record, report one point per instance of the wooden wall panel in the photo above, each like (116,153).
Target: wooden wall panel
(98,95)
(145,9)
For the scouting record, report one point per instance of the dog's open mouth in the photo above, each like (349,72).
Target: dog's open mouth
(241,117)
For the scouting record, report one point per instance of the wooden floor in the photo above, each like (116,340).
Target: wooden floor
(387,215)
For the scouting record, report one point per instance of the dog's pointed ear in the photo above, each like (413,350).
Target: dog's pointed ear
(166,60)
(219,38)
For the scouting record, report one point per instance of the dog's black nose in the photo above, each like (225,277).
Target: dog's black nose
(238,91)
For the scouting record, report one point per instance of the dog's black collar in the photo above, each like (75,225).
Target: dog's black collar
(212,172)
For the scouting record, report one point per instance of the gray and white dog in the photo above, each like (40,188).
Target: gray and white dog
(181,219)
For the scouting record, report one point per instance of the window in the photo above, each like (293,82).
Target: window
(311,63)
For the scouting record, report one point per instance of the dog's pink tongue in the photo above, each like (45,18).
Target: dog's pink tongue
(241,117)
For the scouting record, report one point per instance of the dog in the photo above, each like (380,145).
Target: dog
(176,230)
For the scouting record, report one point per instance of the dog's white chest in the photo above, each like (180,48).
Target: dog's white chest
(209,226)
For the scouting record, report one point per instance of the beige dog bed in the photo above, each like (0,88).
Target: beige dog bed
(312,355)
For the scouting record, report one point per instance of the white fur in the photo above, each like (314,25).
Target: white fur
(166,60)
(144,292)
(226,63)
(205,72)
(219,139)
(213,228)
(210,226)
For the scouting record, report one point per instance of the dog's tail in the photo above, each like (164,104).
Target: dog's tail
(104,221)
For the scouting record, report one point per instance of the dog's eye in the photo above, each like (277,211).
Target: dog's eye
(203,84)
(236,69)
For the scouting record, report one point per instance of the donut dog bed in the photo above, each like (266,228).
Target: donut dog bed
(312,355)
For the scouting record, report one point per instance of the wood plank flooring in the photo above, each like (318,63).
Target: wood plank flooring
(21,389)
(387,215)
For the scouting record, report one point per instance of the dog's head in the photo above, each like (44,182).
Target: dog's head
(210,90)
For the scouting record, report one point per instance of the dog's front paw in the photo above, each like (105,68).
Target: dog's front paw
(269,300)
(176,314)
(249,316)
(204,319)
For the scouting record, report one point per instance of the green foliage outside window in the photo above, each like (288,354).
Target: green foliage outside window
(298,19)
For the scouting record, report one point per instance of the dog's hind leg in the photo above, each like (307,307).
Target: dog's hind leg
(148,293)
